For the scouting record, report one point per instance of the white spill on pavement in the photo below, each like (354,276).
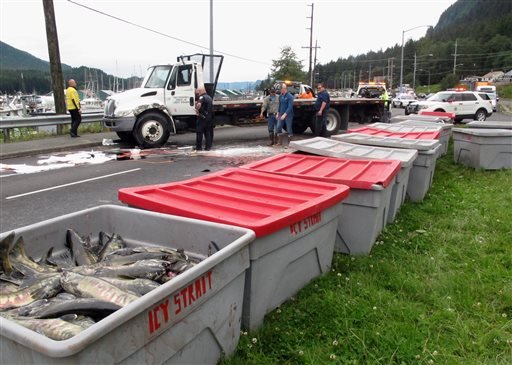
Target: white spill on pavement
(58,162)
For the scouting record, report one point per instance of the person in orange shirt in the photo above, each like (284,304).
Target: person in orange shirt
(306,95)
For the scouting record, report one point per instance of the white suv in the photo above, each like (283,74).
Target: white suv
(465,104)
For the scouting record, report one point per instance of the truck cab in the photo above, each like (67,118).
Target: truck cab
(295,88)
(370,90)
(164,103)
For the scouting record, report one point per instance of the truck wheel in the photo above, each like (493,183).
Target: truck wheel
(126,137)
(480,115)
(152,130)
(333,122)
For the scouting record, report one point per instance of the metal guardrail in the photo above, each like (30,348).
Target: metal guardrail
(25,122)
(30,122)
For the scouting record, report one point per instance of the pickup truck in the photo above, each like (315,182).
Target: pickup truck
(165,104)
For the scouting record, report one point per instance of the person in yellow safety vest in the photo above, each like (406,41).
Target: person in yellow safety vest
(385,96)
(73,105)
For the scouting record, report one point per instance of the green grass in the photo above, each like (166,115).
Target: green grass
(505,91)
(29,134)
(436,289)
(434,88)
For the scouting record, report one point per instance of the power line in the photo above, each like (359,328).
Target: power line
(164,34)
(479,54)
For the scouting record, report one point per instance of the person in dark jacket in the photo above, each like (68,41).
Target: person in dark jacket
(322,105)
(285,113)
(204,123)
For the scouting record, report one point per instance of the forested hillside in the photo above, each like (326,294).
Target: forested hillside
(21,71)
(478,31)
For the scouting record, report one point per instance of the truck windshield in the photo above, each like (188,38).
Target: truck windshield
(157,77)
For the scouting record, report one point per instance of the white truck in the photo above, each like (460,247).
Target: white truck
(165,104)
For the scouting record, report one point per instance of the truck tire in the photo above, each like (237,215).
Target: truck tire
(152,130)
(480,115)
(333,122)
(127,137)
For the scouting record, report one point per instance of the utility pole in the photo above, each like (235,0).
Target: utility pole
(53,52)
(391,73)
(314,66)
(311,45)
(455,58)
(211,44)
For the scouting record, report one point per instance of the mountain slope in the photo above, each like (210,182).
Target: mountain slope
(479,32)
(14,59)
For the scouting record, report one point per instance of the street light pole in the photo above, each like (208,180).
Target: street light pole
(402,65)
(402,57)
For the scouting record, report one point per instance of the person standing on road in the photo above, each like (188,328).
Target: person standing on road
(73,105)
(204,123)
(322,105)
(285,114)
(385,96)
(271,106)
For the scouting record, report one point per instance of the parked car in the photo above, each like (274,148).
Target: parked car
(464,104)
(402,100)
(494,100)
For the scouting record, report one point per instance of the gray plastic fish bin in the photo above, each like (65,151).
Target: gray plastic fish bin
(294,220)
(488,149)
(445,130)
(364,211)
(193,318)
(490,124)
(422,172)
(424,118)
(329,147)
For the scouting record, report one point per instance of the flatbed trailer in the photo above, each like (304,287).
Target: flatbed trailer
(166,103)
(342,111)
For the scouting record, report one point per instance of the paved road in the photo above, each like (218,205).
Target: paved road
(31,198)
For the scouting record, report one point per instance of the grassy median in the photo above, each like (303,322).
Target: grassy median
(436,289)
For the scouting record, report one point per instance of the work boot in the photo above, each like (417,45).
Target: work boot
(285,140)
(279,141)
(271,139)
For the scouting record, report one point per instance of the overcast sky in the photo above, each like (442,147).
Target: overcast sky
(253,31)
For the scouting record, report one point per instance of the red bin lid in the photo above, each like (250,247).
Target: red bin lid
(357,174)
(259,201)
(384,133)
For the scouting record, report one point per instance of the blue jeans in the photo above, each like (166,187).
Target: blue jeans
(320,126)
(272,123)
(289,125)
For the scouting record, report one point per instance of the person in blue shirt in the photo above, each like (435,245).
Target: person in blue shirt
(322,105)
(285,114)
